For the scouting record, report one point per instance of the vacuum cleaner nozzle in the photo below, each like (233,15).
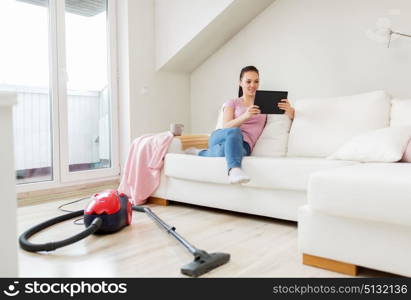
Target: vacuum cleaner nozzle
(204,262)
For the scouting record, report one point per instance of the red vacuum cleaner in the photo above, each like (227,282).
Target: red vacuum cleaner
(109,212)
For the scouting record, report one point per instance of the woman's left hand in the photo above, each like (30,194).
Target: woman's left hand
(284,104)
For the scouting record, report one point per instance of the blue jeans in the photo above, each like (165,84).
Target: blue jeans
(227,142)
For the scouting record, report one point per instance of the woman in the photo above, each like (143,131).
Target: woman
(243,124)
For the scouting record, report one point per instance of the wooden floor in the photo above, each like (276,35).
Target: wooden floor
(259,247)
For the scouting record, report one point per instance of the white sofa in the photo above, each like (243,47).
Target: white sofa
(289,168)
(361,214)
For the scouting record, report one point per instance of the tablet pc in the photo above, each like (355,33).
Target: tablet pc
(267,101)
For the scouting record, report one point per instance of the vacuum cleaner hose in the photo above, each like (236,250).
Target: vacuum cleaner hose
(139,208)
(203,261)
(50,246)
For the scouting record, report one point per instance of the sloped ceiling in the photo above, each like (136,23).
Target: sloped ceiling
(220,29)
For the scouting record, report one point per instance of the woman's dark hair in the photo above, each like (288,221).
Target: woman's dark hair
(243,70)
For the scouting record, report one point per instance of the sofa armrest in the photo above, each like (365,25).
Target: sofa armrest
(196,140)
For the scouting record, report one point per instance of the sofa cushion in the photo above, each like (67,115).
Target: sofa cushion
(406,157)
(372,191)
(274,138)
(273,173)
(321,126)
(382,145)
(400,112)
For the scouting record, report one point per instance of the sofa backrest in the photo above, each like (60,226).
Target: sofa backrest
(220,119)
(321,126)
(400,112)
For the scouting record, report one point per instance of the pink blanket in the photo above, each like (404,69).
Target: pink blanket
(141,175)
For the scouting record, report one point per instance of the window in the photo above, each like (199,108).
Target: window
(24,61)
(59,57)
(87,87)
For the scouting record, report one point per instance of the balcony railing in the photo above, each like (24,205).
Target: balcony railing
(88,126)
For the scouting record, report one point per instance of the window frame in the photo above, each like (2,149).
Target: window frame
(58,95)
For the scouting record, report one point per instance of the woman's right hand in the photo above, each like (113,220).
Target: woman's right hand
(252,111)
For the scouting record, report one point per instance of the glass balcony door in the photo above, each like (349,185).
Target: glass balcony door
(59,57)
(88,129)
(25,69)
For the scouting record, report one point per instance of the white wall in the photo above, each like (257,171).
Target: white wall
(149,100)
(178,21)
(310,48)
(8,221)
(123,80)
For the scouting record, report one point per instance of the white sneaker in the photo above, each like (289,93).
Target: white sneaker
(237,175)
(192,151)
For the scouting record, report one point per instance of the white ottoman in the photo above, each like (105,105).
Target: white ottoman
(358,215)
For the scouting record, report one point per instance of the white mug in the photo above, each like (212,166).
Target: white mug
(176,129)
